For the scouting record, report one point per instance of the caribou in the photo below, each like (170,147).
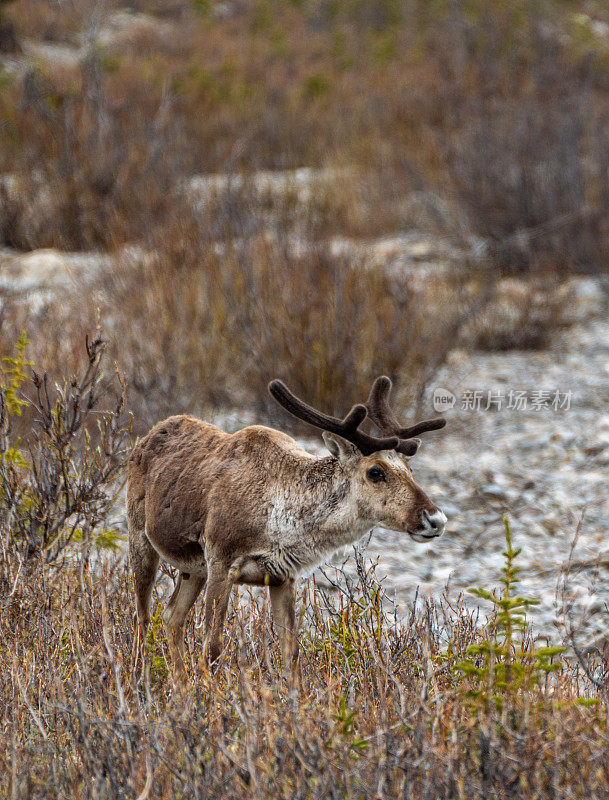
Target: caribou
(253,507)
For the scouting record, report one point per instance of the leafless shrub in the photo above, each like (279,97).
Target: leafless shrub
(57,486)
(522,315)
(104,171)
(529,162)
(500,111)
(593,658)
(203,324)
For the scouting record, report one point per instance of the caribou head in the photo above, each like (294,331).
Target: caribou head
(378,468)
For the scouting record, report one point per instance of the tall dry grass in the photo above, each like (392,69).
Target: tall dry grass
(498,109)
(204,326)
(380,709)
(200,323)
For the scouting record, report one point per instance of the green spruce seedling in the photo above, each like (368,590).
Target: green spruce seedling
(506,662)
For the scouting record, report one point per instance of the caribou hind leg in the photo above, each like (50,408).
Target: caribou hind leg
(144,562)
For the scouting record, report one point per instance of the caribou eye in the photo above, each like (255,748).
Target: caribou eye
(376,474)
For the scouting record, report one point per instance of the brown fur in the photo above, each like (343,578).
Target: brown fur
(252,507)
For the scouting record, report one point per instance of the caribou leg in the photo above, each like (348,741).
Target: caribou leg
(283,603)
(181,602)
(217,595)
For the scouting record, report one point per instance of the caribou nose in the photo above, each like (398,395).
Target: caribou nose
(434,522)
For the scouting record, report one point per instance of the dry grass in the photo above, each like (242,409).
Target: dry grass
(380,709)
(203,326)
(451,120)
(200,322)
(499,109)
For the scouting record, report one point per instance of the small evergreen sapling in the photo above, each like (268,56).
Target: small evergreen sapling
(507,661)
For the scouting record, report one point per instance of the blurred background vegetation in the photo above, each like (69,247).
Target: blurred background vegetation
(234,160)
(500,107)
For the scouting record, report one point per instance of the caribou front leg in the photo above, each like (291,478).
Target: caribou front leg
(217,594)
(184,597)
(283,603)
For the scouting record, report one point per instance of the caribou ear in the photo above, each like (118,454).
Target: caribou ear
(409,447)
(340,448)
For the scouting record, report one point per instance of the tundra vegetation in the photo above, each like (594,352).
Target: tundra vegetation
(152,136)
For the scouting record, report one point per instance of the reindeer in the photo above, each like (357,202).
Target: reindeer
(253,507)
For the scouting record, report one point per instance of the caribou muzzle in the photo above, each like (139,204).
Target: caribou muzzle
(432,526)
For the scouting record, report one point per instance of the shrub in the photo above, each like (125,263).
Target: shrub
(203,326)
(496,109)
(57,487)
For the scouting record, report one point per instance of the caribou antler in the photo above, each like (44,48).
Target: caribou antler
(347,427)
(379,411)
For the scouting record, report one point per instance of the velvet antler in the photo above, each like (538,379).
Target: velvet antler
(347,427)
(379,411)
